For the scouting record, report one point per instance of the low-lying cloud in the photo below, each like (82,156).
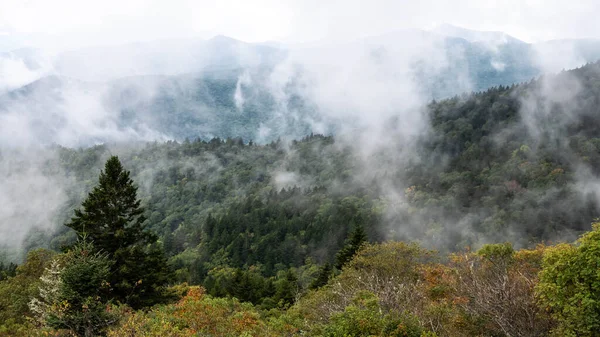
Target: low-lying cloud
(370,92)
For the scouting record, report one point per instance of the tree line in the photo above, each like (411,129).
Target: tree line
(272,225)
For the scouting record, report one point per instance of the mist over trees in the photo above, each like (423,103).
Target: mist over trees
(311,234)
(228,88)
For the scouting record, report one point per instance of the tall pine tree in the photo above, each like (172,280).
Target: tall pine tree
(113,219)
(354,242)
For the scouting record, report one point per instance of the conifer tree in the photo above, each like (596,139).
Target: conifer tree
(286,289)
(323,276)
(112,218)
(355,241)
(73,292)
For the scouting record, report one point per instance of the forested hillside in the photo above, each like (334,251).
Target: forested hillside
(480,166)
(508,159)
(264,223)
(227,88)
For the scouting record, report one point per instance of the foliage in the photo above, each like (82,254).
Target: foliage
(17,291)
(364,317)
(390,271)
(494,287)
(250,286)
(257,225)
(355,241)
(74,296)
(489,292)
(198,315)
(8,270)
(569,286)
(387,289)
(322,278)
(228,203)
(113,219)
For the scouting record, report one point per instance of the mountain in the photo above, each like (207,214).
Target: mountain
(504,52)
(483,58)
(164,57)
(448,62)
(487,37)
(62,110)
(518,164)
(222,87)
(259,223)
(496,58)
(556,55)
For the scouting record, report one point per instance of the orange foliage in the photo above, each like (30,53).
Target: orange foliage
(196,314)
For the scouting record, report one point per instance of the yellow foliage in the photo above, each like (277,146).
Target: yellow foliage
(197,314)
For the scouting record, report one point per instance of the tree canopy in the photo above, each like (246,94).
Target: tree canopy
(112,218)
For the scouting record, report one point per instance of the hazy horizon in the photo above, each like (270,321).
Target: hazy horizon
(70,24)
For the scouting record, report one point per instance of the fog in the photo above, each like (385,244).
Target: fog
(95,74)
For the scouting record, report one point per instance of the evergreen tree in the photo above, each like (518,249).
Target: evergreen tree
(322,277)
(355,240)
(7,271)
(74,296)
(112,218)
(286,289)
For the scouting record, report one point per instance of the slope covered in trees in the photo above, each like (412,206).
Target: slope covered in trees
(227,88)
(387,289)
(510,163)
(260,222)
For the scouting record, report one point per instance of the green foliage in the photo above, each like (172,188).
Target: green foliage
(389,272)
(364,317)
(17,291)
(245,285)
(251,286)
(113,219)
(569,286)
(244,219)
(286,289)
(354,242)
(325,272)
(7,270)
(74,296)
(224,202)
(499,251)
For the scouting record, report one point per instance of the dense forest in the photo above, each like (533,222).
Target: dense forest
(315,236)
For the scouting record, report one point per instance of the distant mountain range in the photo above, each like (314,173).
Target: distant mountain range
(224,87)
(61,110)
(168,57)
(489,37)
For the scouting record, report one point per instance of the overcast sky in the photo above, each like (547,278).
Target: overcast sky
(118,21)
